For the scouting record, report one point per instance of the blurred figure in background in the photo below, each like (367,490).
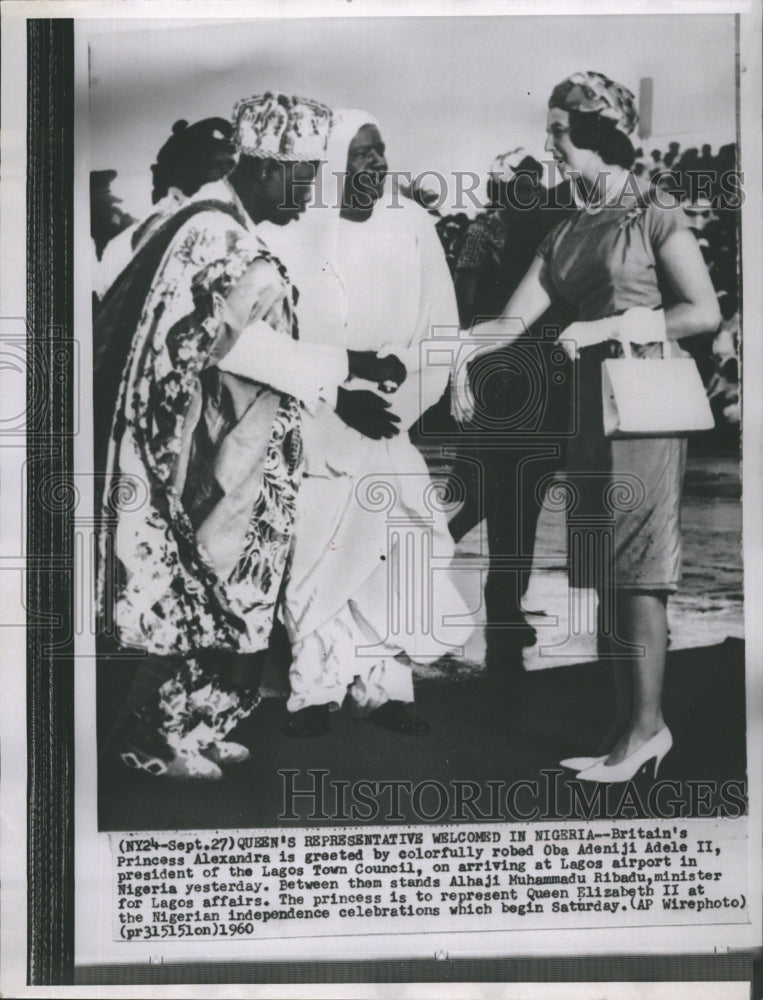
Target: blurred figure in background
(707,160)
(498,243)
(657,163)
(522,446)
(671,156)
(106,220)
(452,229)
(723,385)
(194,155)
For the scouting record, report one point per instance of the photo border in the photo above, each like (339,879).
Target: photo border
(50,674)
(49,594)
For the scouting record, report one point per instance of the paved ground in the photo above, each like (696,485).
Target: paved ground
(707,609)
(487,729)
(482,730)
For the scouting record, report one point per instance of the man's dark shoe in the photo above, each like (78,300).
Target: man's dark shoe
(504,658)
(521,635)
(311,721)
(395,716)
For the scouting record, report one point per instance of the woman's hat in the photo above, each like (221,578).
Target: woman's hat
(594,92)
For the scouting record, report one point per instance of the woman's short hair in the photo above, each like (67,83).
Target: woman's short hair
(590,130)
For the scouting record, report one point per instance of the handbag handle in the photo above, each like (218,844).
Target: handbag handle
(628,350)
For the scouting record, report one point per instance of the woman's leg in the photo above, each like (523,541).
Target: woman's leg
(611,651)
(641,620)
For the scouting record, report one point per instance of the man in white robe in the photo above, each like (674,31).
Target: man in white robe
(346,581)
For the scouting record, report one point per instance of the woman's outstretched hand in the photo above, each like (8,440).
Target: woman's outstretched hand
(463,405)
(584,334)
(638,325)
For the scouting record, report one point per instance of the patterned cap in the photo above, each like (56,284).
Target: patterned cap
(278,127)
(595,92)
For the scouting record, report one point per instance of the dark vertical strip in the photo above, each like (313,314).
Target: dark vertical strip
(739,166)
(50,677)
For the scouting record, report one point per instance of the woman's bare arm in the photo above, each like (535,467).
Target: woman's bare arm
(528,303)
(697,310)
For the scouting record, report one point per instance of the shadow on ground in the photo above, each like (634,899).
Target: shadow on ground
(482,730)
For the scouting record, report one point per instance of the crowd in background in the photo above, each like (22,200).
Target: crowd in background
(697,179)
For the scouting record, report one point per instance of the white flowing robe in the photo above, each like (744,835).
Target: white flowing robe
(346,585)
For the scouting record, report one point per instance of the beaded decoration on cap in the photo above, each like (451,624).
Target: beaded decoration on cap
(278,127)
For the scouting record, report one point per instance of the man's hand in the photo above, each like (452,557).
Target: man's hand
(388,372)
(368,414)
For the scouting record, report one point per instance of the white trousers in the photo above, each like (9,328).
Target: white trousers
(331,663)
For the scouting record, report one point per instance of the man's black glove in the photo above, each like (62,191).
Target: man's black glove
(388,372)
(367,413)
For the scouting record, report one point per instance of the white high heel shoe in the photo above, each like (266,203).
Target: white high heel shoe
(654,749)
(580,763)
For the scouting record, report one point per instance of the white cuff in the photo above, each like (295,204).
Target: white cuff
(309,372)
(640,325)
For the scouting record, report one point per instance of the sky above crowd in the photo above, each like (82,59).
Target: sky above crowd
(449,92)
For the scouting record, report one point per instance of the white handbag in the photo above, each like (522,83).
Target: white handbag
(653,397)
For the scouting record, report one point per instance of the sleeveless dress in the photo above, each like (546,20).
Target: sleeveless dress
(623,496)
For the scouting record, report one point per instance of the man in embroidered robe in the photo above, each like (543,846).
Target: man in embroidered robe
(199,382)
